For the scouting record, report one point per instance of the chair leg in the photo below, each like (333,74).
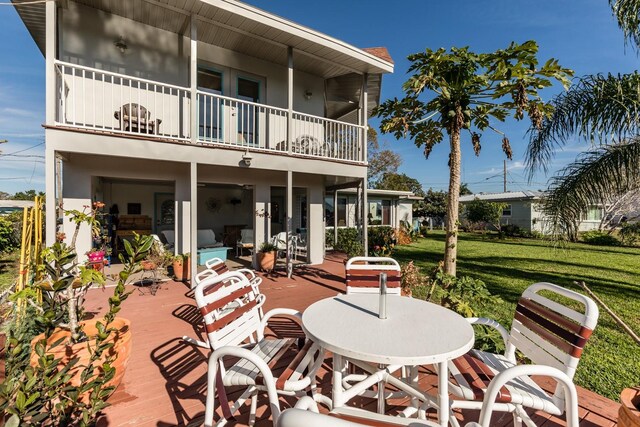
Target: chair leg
(517,421)
(254,408)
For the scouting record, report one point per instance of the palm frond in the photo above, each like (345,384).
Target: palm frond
(627,12)
(596,107)
(595,176)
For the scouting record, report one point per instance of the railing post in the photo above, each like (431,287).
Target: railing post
(193,79)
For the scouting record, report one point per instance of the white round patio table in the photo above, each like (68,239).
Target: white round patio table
(414,333)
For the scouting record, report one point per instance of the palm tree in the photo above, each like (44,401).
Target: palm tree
(603,110)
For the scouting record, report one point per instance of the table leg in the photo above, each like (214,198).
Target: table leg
(381,387)
(338,368)
(443,394)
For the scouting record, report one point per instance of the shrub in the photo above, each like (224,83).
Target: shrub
(424,230)
(382,240)
(630,233)
(512,230)
(597,237)
(9,239)
(348,241)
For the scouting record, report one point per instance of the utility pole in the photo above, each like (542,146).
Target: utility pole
(505,175)
(3,141)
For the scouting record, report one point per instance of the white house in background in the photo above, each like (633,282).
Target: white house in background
(10,206)
(523,209)
(186,115)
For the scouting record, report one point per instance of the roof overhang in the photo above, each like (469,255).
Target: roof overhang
(236,26)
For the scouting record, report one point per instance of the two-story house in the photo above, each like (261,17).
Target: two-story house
(201,114)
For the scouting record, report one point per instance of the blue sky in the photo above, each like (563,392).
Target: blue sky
(581,34)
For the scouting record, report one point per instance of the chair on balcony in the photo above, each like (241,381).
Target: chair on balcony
(550,334)
(363,275)
(136,118)
(261,359)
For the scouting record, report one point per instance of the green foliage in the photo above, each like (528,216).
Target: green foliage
(267,247)
(600,238)
(435,204)
(630,233)
(483,212)
(512,230)
(27,195)
(42,395)
(399,182)
(348,241)
(381,160)
(8,237)
(382,241)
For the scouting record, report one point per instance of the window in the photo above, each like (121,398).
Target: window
(379,212)
(506,211)
(209,108)
(594,213)
(329,211)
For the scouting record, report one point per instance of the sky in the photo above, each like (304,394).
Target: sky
(582,35)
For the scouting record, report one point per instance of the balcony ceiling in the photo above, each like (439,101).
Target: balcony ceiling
(234,26)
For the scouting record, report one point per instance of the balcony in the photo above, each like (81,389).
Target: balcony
(96,100)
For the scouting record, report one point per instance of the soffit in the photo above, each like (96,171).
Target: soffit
(235,26)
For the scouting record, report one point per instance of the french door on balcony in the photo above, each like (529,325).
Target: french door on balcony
(248,114)
(210,109)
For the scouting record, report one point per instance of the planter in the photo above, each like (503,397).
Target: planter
(182,269)
(267,260)
(97,256)
(121,349)
(629,412)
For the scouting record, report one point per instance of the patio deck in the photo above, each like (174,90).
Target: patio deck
(165,380)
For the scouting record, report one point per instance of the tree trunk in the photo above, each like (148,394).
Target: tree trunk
(451,242)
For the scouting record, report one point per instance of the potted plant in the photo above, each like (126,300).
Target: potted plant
(266,256)
(629,412)
(73,364)
(182,267)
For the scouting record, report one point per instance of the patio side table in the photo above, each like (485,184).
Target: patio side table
(414,333)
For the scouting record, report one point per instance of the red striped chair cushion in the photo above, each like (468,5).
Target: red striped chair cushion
(371,278)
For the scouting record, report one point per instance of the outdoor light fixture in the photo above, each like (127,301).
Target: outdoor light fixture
(308,94)
(121,44)
(246,158)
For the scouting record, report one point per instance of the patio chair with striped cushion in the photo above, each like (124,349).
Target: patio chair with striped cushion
(216,266)
(363,274)
(293,368)
(550,334)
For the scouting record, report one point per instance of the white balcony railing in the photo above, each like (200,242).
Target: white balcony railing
(100,100)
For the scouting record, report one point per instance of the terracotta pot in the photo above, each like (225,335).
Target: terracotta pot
(182,269)
(121,349)
(267,260)
(629,412)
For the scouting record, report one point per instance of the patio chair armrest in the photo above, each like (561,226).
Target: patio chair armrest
(251,275)
(294,314)
(570,393)
(308,404)
(492,324)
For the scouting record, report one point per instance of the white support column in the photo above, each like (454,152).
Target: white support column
(193,79)
(290,99)
(261,224)
(183,212)
(335,218)
(364,99)
(365,217)
(50,56)
(315,232)
(50,196)
(289,220)
(193,182)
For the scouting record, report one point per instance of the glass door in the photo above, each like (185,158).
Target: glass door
(210,107)
(248,90)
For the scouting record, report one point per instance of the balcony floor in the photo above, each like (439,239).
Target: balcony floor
(165,380)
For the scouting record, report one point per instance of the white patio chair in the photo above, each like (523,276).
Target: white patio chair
(170,237)
(550,334)
(305,413)
(245,242)
(363,274)
(259,359)
(216,266)
(207,239)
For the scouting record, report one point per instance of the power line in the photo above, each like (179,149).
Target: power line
(23,150)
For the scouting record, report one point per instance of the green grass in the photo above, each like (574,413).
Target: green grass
(8,269)
(611,360)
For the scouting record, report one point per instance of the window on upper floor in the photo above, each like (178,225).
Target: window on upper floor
(209,109)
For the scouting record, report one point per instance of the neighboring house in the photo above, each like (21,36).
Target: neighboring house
(201,114)
(10,206)
(385,207)
(523,209)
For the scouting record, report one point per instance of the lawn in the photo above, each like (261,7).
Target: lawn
(611,360)
(8,268)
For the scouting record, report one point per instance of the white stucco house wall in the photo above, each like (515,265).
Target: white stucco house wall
(523,210)
(200,114)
